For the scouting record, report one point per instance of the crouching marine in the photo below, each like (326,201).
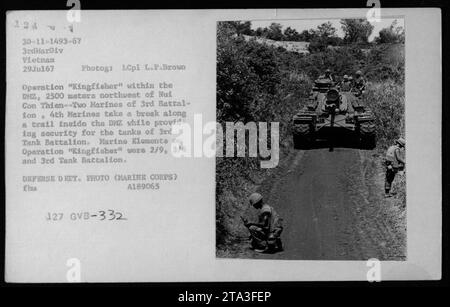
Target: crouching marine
(264,233)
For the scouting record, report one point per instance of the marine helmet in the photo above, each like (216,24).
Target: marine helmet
(255,198)
(401,142)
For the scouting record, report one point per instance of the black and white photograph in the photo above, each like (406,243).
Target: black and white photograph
(337,89)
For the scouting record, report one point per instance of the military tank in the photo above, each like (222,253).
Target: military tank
(331,113)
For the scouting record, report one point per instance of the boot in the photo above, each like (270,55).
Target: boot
(387,193)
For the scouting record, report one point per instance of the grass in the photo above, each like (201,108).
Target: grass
(387,101)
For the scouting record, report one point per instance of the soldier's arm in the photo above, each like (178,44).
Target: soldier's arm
(399,157)
(265,222)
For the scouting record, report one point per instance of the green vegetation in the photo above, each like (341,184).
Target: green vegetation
(256,82)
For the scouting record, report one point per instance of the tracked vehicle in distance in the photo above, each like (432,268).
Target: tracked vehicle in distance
(332,114)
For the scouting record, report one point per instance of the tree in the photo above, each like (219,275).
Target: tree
(291,34)
(274,32)
(393,34)
(356,30)
(326,30)
(239,27)
(261,31)
(245,71)
(306,36)
(320,38)
(245,28)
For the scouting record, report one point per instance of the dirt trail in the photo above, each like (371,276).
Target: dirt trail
(333,208)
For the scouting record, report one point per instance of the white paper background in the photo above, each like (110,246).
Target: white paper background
(170,235)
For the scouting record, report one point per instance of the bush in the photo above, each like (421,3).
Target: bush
(386,100)
(255,83)
(386,62)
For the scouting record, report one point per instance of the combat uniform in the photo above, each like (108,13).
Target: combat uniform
(394,163)
(346,86)
(267,237)
(360,84)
